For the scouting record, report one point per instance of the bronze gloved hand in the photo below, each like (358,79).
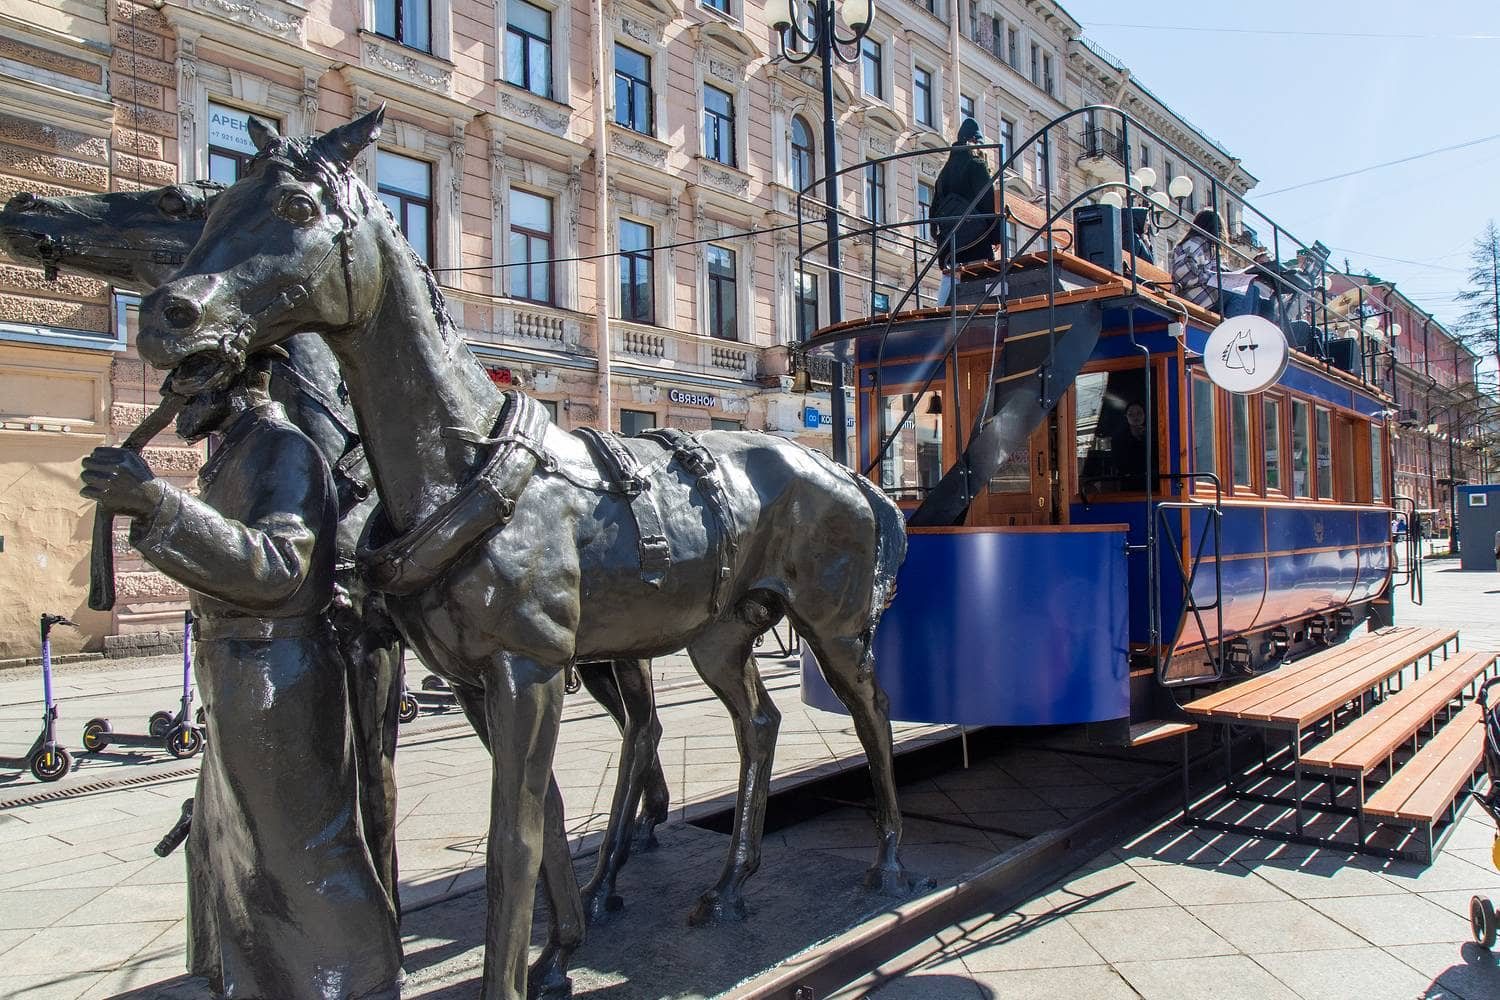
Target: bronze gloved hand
(121,482)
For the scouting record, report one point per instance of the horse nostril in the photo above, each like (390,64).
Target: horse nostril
(181,313)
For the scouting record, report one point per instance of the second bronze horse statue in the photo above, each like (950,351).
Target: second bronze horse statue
(507,552)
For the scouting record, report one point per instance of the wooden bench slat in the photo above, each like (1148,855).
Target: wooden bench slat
(1152,730)
(1403,795)
(1365,743)
(1353,676)
(1316,704)
(1297,668)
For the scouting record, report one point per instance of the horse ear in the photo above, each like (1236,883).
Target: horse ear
(345,142)
(262,133)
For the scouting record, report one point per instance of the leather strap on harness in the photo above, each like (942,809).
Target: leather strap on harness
(483,504)
(700,463)
(621,465)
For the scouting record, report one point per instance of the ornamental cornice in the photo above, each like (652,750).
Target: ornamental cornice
(538,115)
(399,61)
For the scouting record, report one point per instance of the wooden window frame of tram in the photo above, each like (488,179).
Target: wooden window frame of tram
(1067,429)
(868,409)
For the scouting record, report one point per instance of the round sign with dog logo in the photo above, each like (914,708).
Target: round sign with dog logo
(1246,354)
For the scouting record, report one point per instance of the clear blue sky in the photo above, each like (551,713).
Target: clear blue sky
(1298,107)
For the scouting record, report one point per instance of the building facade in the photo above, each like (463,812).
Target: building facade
(626,251)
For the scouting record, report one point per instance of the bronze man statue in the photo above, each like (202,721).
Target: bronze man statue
(283,896)
(965,226)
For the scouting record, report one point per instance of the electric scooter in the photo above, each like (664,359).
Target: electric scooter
(47,759)
(179,734)
(1482,919)
(434,694)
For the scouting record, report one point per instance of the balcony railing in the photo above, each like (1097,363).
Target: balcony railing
(1104,142)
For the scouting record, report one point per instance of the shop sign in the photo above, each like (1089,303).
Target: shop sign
(1246,354)
(502,376)
(814,419)
(692,398)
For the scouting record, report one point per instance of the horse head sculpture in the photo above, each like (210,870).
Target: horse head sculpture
(1240,353)
(135,239)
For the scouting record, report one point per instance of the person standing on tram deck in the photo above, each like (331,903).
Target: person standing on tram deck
(964,235)
(1196,272)
(283,897)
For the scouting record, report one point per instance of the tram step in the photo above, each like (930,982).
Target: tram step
(1152,730)
(1425,787)
(1368,742)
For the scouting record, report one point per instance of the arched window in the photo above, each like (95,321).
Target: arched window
(802,153)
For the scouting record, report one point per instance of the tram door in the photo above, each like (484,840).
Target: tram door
(1022,490)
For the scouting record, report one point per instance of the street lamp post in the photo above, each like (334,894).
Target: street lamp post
(824,43)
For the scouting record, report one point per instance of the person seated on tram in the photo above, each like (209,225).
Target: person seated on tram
(1140,231)
(964,235)
(1197,276)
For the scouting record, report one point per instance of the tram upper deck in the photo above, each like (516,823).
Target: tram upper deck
(1092,520)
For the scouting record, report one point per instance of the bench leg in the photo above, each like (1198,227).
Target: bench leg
(1297,778)
(1359,814)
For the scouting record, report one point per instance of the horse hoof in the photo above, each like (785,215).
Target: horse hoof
(713,909)
(599,908)
(643,841)
(551,985)
(890,880)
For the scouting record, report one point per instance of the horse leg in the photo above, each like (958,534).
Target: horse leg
(847,665)
(548,976)
(626,692)
(523,710)
(623,687)
(722,656)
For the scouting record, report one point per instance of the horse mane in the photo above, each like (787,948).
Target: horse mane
(305,158)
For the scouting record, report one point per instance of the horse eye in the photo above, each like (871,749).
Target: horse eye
(172,203)
(299,209)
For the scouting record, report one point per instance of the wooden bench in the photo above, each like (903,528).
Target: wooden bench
(1369,742)
(1308,665)
(1426,789)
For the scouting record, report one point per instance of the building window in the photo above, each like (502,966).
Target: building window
(1169,169)
(972,10)
(1012,237)
(1324,477)
(229,145)
(637,303)
(127,317)
(406,21)
(1270,429)
(405,186)
(550,405)
(924,203)
(875,192)
(880,302)
(802,153)
(722,6)
(1013,47)
(1042,173)
(997,37)
(1145,155)
(807,304)
(1301,481)
(633,422)
(724,424)
(528,47)
(723,311)
(966,106)
(872,68)
(1239,440)
(1049,82)
(921,95)
(1007,138)
(1036,64)
(718,125)
(633,98)
(1203,430)
(531,244)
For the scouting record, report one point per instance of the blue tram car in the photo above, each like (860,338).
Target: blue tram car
(1094,525)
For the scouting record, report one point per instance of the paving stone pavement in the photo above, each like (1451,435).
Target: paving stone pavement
(87,911)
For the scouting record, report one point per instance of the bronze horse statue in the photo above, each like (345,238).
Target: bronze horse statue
(137,240)
(506,554)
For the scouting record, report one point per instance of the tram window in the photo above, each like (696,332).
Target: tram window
(1239,439)
(1113,430)
(914,463)
(1348,481)
(1270,428)
(1203,429)
(1377,464)
(1324,444)
(1301,486)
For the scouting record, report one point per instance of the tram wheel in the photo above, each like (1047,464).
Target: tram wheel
(1482,921)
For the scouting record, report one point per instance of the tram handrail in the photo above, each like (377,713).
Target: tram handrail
(1412,573)
(1189,576)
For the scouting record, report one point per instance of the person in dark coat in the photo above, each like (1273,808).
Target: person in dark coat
(283,897)
(964,235)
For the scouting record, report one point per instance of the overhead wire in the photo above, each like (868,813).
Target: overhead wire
(1303,33)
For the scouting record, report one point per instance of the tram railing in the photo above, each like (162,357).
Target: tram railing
(1409,572)
(1187,573)
(1297,294)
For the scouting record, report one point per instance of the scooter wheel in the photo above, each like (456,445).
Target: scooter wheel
(408,709)
(184,742)
(160,724)
(432,682)
(1482,921)
(50,765)
(96,735)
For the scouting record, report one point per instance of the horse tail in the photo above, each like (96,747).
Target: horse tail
(890,545)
